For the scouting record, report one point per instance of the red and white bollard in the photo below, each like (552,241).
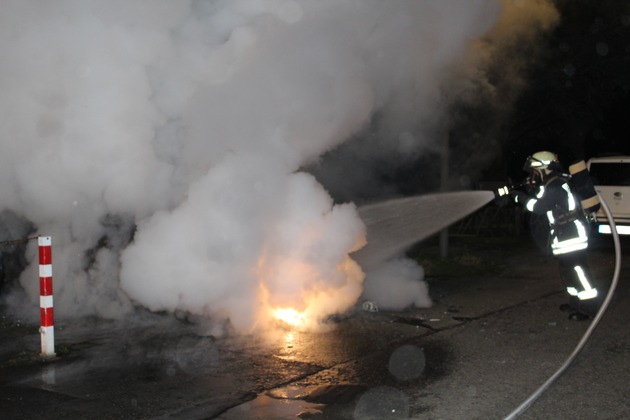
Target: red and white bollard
(47,328)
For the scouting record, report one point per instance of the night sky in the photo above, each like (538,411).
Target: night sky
(578,102)
(565,88)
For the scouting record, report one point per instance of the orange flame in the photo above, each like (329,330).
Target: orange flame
(289,316)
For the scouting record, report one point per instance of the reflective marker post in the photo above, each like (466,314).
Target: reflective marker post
(47,328)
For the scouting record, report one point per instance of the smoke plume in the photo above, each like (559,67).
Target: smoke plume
(160,143)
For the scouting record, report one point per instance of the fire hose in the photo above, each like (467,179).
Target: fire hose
(534,396)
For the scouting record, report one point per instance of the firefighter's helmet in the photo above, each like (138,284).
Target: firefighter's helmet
(538,164)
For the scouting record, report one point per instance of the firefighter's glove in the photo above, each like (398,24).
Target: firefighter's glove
(518,196)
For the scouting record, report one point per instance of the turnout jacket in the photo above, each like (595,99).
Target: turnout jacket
(567,221)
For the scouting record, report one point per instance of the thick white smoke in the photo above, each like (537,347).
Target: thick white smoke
(191,120)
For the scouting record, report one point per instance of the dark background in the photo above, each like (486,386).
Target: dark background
(577,103)
(571,97)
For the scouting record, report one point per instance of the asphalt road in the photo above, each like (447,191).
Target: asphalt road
(489,341)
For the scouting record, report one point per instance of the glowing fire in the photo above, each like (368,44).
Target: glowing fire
(289,316)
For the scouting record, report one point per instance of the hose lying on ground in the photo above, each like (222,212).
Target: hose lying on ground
(533,397)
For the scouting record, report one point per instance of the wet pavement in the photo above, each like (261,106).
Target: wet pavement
(489,341)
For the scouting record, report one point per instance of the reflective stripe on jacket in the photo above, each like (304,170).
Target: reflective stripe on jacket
(565,216)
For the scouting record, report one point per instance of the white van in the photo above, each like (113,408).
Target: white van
(611,177)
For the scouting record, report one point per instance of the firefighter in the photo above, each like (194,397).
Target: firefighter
(551,194)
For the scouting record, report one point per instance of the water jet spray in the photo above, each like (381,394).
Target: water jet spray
(394,225)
